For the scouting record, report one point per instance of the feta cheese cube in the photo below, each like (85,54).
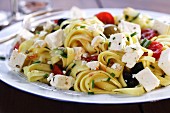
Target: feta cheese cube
(48,26)
(116,66)
(162,25)
(17,60)
(79,51)
(39,43)
(25,34)
(55,39)
(93,65)
(76,12)
(97,40)
(130,28)
(147,79)
(117,42)
(164,61)
(132,54)
(61,81)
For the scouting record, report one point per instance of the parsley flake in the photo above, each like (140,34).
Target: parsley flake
(108,79)
(45,76)
(91,93)
(92,83)
(37,62)
(82,26)
(112,74)
(109,44)
(133,34)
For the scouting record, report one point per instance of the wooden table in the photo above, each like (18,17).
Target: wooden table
(16,101)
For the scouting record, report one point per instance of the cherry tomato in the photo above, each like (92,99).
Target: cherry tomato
(156,47)
(31,57)
(105,17)
(149,33)
(91,58)
(16,46)
(56,70)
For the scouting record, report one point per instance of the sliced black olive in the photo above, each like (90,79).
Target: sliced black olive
(64,26)
(138,67)
(61,20)
(127,75)
(132,82)
(110,29)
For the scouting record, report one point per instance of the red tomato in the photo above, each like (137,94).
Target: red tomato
(16,46)
(156,47)
(57,70)
(149,33)
(105,17)
(31,57)
(56,21)
(91,58)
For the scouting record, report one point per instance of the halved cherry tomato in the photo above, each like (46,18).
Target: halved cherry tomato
(90,58)
(149,33)
(16,46)
(156,47)
(105,17)
(56,70)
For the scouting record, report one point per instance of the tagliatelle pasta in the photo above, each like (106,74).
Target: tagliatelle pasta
(97,55)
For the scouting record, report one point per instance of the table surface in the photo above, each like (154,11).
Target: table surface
(16,101)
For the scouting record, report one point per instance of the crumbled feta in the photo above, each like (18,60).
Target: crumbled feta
(55,39)
(76,13)
(25,34)
(132,54)
(96,41)
(162,25)
(42,33)
(116,66)
(61,81)
(164,61)
(78,52)
(147,79)
(17,60)
(130,28)
(117,42)
(93,65)
(48,26)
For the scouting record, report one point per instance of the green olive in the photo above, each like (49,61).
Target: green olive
(110,29)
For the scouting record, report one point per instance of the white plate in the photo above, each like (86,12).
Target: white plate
(18,81)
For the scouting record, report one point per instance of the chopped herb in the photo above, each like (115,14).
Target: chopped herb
(73,65)
(135,17)
(108,62)
(92,83)
(114,38)
(91,93)
(51,66)
(152,66)
(127,38)
(144,40)
(68,73)
(112,74)
(36,62)
(133,34)
(109,44)
(63,54)
(45,76)
(38,32)
(145,43)
(82,26)
(2,58)
(108,79)
(126,17)
(133,48)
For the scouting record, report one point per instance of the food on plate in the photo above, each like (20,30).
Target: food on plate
(103,54)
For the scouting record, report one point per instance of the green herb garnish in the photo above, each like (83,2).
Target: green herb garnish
(92,83)
(127,38)
(68,73)
(112,74)
(82,26)
(152,66)
(108,62)
(45,76)
(114,38)
(51,66)
(133,34)
(133,48)
(91,93)
(135,17)
(2,58)
(63,54)
(108,79)
(73,65)
(38,32)
(37,62)
(145,43)
(109,44)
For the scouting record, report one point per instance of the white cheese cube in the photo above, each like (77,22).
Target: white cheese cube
(48,26)
(25,34)
(97,40)
(79,51)
(93,65)
(130,28)
(132,54)
(42,34)
(164,61)
(147,79)
(162,25)
(61,81)
(39,43)
(117,42)
(55,39)
(76,12)
(116,66)
(17,60)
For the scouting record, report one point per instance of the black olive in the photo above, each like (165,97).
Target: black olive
(61,20)
(110,29)
(132,82)
(64,26)
(127,75)
(138,67)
